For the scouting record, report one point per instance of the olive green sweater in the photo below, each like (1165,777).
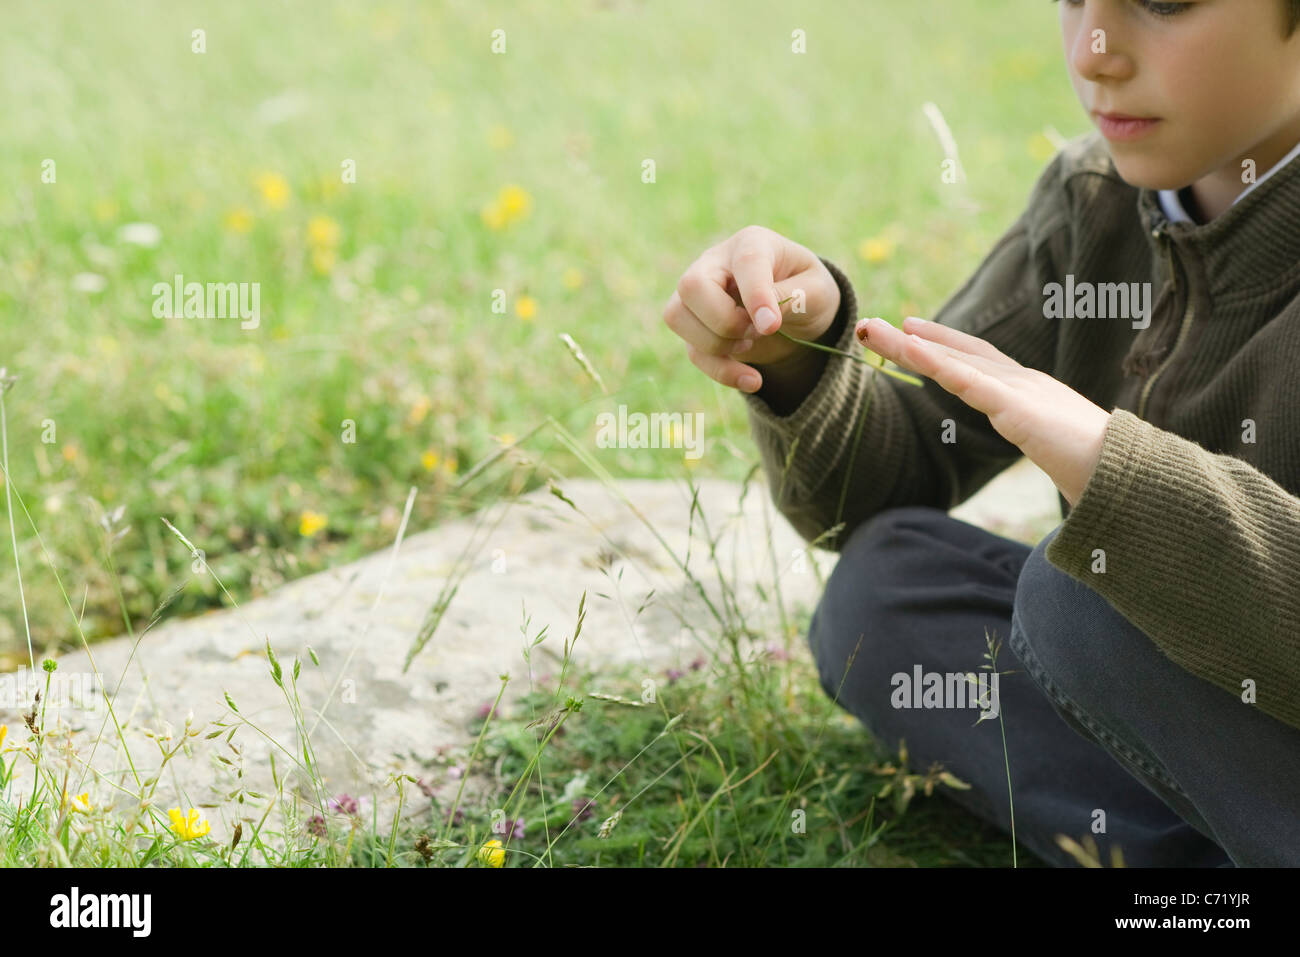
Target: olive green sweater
(1194,501)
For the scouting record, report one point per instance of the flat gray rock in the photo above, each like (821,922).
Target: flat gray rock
(531,559)
(528,559)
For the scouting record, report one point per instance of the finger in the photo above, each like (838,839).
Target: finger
(886,339)
(729,372)
(754,267)
(703,291)
(975,380)
(980,388)
(686,324)
(955,338)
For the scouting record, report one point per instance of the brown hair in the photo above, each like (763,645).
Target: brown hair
(1292,16)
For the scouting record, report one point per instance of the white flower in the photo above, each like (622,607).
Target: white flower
(140,234)
(282,107)
(100,256)
(89,282)
(576,786)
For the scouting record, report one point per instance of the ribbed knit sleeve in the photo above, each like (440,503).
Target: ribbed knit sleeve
(920,445)
(1201,552)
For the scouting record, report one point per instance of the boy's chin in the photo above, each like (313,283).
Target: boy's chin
(1148,172)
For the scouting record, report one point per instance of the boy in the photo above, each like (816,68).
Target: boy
(1151,679)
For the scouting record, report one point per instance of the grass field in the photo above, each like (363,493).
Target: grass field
(385,179)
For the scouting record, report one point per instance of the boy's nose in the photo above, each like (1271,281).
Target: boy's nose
(1096,51)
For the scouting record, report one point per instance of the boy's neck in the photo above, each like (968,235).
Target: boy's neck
(1212,195)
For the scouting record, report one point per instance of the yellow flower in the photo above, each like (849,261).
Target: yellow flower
(419,409)
(493,216)
(499,137)
(492,853)
(572,278)
(310,523)
(429,460)
(238,220)
(274,189)
(323,259)
(105,209)
(506,438)
(70,453)
(323,231)
(526,307)
(168,398)
(515,201)
(1041,148)
(877,249)
(188,826)
(512,203)
(4,732)
(328,185)
(80,803)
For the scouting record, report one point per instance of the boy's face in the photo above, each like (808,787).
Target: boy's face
(1219,75)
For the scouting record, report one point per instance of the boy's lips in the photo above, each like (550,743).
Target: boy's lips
(1122,116)
(1124,126)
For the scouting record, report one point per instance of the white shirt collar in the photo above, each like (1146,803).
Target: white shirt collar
(1173,207)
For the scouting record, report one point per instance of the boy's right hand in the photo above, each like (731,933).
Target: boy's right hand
(717,304)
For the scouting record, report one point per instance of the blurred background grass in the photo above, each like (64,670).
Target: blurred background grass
(474,172)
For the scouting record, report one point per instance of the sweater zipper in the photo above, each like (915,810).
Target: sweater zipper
(1188,313)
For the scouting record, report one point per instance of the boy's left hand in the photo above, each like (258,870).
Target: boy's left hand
(1058,429)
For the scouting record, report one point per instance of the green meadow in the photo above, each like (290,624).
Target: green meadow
(424,218)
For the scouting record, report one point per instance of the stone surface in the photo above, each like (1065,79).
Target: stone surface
(531,558)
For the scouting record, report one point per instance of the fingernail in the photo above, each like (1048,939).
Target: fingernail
(864,326)
(749,381)
(743,345)
(765,320)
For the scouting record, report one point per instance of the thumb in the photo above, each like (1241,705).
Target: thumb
(767,317)
(752,270)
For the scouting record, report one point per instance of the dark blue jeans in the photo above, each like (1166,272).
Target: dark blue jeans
(1100,724)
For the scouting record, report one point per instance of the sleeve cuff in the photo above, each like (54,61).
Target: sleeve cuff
(1122,448)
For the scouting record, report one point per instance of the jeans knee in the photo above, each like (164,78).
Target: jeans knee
(856,599)
(869,536)
(1067,634)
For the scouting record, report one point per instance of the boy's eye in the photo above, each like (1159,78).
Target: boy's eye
(1165,9)
(1151,6)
